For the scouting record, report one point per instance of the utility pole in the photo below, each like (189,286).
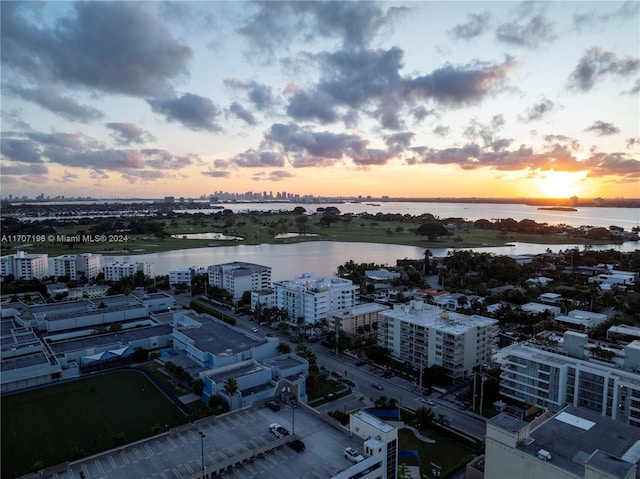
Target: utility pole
(202,436)
(483,379)
(473,395)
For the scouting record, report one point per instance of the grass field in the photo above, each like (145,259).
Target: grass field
(445,452)
(55,424)
(263,229)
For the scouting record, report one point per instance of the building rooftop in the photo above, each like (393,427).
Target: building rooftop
(123,336)
(218,338)
(373,421)
(427,315)
(241,438)
(574,435)
(507,422)
(363,308)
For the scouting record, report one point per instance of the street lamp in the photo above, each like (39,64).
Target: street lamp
(202,436)
(293,418)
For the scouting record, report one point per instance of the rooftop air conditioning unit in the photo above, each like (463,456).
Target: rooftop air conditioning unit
(544,455)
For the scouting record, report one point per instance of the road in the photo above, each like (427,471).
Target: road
(405,392)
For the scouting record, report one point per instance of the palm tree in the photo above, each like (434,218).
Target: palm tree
(231,386)
(427,265)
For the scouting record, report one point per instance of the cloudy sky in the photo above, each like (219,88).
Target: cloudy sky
(416,99)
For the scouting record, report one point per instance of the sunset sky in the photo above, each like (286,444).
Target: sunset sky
(415,99)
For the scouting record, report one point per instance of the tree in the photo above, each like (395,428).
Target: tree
(231,386)
(284,348)
(432,231)
(299,210)
(427,262)
(424,418)
(198,387)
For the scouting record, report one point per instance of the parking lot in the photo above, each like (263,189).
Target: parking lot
(178,453)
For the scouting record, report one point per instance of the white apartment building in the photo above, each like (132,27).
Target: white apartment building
(425,335)
(24,265)
(551,376)
(76,265)
(184,275)
(238,277)
(117,271)
(361,320)
(314,299)
(265,298)
(90,264)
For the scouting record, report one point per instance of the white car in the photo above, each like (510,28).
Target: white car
(278,431)
(254,329)
(353,455)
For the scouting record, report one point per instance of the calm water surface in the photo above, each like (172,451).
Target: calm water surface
(319,257)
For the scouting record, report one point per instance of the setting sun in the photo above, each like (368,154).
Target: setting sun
(555,184)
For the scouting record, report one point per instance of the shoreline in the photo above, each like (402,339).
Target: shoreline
(143,246)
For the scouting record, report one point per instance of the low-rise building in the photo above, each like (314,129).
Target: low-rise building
(361,320)
(537,308)
(222,351)
(573,444)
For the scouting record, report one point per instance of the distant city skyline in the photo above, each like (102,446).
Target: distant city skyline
(405,100)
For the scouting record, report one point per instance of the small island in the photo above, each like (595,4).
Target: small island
(557,208)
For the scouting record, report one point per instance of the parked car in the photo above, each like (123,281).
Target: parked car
(336,374)
(274,406)
(353,455)
(278,431)
(297,445)
(378,386)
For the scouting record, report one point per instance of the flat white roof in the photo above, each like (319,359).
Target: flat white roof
(575,421)
(430,316)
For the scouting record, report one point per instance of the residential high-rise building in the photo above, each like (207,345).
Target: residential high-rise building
(24,265)
(77,265)
(117,271)
(425,335)
(577,372)
(314,299)
(238,277)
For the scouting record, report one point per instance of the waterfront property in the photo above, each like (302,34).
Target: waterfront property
(118,271)
(24,266)
(424,335)
(76,266)
(239,277)
(314,299)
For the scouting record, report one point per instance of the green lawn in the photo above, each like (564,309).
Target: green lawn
(62,422)
(446,453)
(261,229)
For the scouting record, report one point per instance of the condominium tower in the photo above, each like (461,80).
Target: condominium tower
(425,335)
